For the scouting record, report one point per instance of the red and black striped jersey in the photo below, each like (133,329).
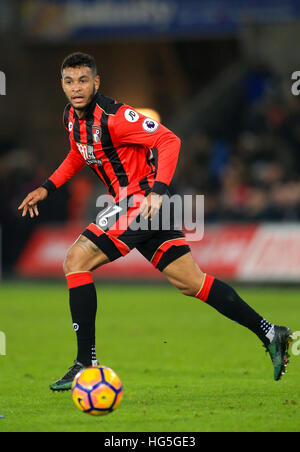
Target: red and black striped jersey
(124,148)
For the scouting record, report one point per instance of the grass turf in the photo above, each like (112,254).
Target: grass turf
(184,367)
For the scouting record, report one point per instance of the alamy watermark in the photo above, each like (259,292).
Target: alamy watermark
(2,343)
(2,84)
(176,213)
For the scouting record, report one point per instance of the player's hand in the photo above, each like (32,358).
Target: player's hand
(151,205)
(30,202)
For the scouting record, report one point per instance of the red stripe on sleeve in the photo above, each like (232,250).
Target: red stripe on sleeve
(73,163)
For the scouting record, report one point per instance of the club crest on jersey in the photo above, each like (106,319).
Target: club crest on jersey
(70,126)
(150,125)
(97,134)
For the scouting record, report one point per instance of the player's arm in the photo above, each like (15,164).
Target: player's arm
(73,163)
(132,127)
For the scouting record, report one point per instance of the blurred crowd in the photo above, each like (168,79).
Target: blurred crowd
(21,171)
(250,169)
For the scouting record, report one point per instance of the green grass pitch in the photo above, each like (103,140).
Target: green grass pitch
(184,367)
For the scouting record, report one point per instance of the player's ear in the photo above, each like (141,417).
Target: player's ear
(97,82)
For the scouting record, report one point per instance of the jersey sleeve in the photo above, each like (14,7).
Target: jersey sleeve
(131,127)
(72,164)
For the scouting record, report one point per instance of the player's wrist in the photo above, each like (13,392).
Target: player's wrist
(159,188)
(49,186)
(44,192)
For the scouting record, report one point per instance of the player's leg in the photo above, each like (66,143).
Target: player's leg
(83,257)
(169,252)
(95,247)
(185,274)
(99,244)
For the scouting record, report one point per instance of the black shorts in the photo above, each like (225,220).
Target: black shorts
(120,228)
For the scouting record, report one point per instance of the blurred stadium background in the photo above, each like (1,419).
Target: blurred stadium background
(218,73)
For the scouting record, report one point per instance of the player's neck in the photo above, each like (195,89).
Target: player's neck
(80,113)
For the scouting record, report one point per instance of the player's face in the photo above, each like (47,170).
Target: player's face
(79,86)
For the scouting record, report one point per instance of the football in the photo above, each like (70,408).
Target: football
(97,390)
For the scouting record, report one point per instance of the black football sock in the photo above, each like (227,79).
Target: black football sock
(225,300)
(83,306)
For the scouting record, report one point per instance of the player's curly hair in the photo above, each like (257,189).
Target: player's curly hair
(79,59)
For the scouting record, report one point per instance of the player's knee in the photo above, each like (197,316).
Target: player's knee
(72,262)
(193,285)
(185,275)
(189,291)
(189,288)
